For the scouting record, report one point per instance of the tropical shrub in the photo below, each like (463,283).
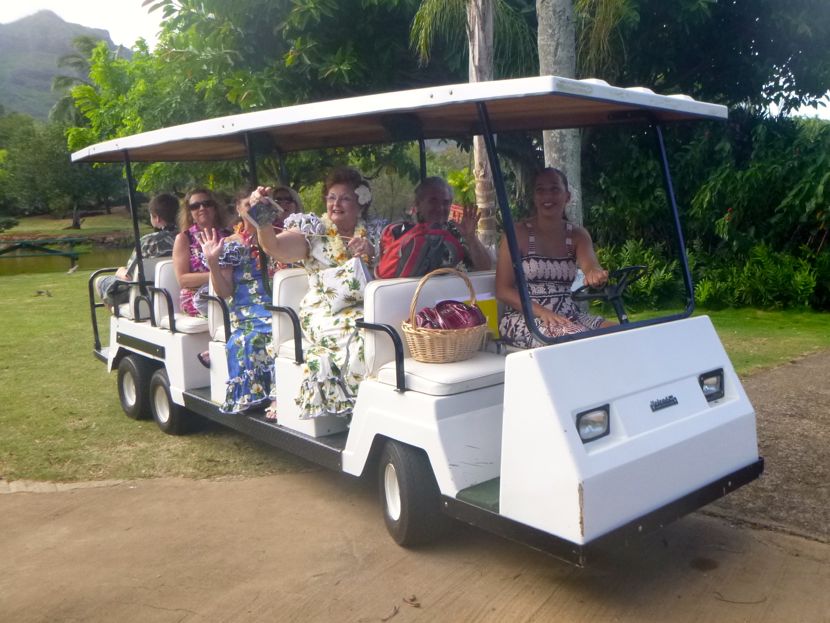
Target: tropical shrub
(766,279)
(661,286)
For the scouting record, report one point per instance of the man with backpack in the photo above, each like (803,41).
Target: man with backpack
(412,249)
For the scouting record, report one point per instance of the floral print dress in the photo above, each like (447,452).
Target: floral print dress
(251,380)
(334,360)
(549,281)
(191,300)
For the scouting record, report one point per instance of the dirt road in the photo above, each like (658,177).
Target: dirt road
(311,546)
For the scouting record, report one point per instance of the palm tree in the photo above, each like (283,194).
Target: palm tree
(446,19)
(556,44)
(556,40)
(558,54)
(77,62)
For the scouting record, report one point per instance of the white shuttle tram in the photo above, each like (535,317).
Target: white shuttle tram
(592,438)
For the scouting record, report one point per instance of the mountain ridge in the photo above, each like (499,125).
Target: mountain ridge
(29,51)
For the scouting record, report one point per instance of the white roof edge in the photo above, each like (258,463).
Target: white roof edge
(403,101)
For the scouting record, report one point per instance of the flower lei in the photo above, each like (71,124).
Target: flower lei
(336,245)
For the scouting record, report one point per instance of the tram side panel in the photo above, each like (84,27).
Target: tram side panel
(665,439)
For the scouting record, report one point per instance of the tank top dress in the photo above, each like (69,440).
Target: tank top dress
(549,281)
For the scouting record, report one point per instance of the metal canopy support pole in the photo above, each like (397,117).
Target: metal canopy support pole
(681,243)
(509,230)
(254,182)
(249,149)
(128,170)
(422,153)
(283,168)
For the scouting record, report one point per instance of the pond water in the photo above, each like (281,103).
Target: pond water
(96,258)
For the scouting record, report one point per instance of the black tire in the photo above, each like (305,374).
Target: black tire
(134,373)
(409,496)
(171,418)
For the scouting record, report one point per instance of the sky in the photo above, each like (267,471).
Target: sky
(126,20)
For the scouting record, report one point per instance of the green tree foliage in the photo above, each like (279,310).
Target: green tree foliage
(737,52)
(76,65)
(217,58)
(762,181)
(39,178)
(440,29)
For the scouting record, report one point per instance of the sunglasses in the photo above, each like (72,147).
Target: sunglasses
(208,203)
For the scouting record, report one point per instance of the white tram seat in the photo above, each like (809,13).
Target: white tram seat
(289,287)
(216,347)
(216,319)
(125,310)
(387,301)
(166,279)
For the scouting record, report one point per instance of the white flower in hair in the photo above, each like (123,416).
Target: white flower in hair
(364,195)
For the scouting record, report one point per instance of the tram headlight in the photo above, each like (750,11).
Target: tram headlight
(593,423)
(711,383)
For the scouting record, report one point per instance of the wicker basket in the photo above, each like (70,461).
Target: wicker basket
(442,345)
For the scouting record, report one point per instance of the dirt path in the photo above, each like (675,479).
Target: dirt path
(312,547)
(792,403)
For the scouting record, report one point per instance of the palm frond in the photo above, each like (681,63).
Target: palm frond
(515,42)
(444,20)
(601,22)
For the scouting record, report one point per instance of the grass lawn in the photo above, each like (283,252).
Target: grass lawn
(59,410)
(61,419)
(48,226)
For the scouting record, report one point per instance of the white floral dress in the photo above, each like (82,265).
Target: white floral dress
(334,360)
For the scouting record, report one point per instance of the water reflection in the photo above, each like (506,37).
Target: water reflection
(97,258)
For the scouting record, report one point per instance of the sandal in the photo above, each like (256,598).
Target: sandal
(204,358)
(271,413)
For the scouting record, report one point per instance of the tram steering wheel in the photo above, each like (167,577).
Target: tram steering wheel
(612,291)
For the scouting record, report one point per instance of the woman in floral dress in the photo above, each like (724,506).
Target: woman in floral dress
(238,272)
(552,248)
(338,251)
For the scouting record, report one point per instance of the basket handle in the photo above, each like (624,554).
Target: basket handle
(435,273)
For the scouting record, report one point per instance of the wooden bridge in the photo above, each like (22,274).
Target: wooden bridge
(43,247)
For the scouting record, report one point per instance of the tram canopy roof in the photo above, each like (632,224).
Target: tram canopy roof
(543,102)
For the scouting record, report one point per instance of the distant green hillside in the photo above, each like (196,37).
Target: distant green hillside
(29,51)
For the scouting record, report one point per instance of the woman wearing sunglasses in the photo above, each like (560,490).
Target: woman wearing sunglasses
(199,212)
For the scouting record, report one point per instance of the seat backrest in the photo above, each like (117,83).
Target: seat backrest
(290,286)
(216,319)
(387,301)
(150,264)
(166,279)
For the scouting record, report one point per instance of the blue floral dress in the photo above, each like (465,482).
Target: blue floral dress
(334,360)
(251,378)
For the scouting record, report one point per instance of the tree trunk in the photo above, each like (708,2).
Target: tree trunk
(480,38)
(76,216)
(557,56)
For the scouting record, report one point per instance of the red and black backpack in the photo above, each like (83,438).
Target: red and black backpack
(414,249)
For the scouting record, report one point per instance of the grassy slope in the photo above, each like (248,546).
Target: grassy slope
(48,226)
(61,418)
(60,415)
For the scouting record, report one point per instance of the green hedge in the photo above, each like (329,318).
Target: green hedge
(764,279)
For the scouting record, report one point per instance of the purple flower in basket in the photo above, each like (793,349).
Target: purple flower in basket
(458,315)
(428,318)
